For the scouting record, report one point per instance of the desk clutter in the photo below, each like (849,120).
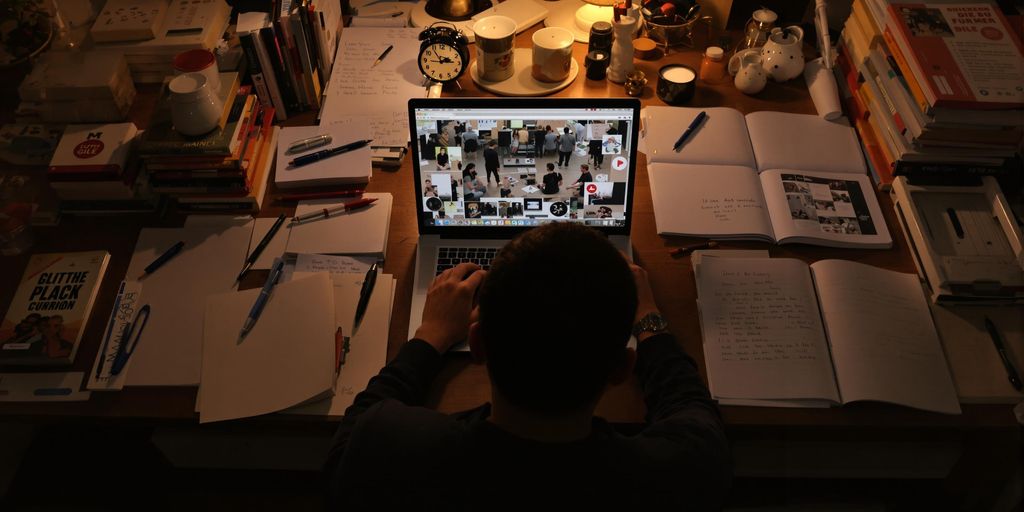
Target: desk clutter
(828,334)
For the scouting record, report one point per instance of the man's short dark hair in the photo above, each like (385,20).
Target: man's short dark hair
(556,310)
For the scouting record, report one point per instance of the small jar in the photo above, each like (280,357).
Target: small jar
(600,37)
(712,67)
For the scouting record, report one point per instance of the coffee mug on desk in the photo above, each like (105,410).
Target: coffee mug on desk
(552,54)
(199,61)
(494,47)
(195,106)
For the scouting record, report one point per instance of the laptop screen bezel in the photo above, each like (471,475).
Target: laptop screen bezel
(525,103)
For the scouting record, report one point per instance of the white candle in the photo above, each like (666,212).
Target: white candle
(678,74)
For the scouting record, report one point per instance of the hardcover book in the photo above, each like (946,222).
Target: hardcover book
(128,20)
(45,321)
(92,152)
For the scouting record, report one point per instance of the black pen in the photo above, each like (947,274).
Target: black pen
(1011,372)
(255,254)
(327,153)
(164,258)
(383,54)
(693,126)
(365,292)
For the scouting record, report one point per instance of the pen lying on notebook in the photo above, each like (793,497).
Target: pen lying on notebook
(327,212)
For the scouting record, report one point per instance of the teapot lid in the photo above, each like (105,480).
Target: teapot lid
(765,16)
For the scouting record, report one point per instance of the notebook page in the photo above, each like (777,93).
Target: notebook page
(763,336)
(716,201)
(823,208)
(800,141)
(721,139)
(884,343)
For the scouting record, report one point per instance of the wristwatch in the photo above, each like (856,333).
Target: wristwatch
(652,323)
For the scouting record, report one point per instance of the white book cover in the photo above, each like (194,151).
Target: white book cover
(350,167)
(128,20)
(360,232)
(90,148)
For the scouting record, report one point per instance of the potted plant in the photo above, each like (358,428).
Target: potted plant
(25,30)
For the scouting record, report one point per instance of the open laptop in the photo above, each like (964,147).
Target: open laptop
(465,218)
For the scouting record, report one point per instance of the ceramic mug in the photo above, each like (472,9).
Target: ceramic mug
(195,107)
(494,48)
(199,61)
(552,54)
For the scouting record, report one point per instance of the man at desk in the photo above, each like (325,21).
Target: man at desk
(537,442)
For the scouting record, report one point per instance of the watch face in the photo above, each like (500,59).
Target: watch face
(441,62)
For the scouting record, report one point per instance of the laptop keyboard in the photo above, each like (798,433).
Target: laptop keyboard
(448,257)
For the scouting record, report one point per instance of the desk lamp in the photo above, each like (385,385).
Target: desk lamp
(588,13)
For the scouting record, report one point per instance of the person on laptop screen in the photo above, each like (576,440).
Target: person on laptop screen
(537,442)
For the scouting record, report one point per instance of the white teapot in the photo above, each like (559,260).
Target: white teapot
(783,56)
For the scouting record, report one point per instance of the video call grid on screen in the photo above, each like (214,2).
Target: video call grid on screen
(456,190)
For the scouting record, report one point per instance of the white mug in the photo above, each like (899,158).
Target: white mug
(195,107)
(494,47)
(552,54)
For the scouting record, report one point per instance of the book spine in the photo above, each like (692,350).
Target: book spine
(906,71)
(302,51)
(271,80)
(286,43)
(918,169)
(255,70)
(308,19)
(275,62)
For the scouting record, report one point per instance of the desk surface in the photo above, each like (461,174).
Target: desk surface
(461,384)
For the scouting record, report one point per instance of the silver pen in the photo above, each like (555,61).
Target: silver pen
(310,143)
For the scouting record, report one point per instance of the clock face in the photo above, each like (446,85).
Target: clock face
(441,62)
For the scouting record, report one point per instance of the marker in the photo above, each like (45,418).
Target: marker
(693,126)
(309,143)
(384,54)
(164,258)
(327,153)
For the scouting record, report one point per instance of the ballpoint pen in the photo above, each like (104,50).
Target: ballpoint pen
(693,126)
(110,330)
(129,340)
(365,292)
(164,258)
(261,300)
(327,153)
(251,260)
(710,244)
(322,195)
(997,340)
(383,54)
(326,212)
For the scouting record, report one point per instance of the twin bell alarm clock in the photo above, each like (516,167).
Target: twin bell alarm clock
(444,52)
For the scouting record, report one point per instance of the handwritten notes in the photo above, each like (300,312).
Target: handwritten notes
(717,201)
(333,264)
(762,329)
(381,92)
(725,209)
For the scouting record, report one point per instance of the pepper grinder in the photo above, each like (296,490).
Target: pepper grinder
(622,50)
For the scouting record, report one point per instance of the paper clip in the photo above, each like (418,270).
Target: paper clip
(130,336)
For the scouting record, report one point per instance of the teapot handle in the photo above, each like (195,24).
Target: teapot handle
(797,31)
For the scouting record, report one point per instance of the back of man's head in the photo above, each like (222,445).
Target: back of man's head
(556,311)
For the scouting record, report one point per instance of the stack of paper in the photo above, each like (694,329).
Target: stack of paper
(361,232)
(77,87)
(287,359)
(346,168)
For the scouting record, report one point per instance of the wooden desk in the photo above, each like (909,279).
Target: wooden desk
(461,384)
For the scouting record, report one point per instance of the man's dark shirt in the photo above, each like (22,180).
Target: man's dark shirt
(490,158)
(390,451)
(551,180)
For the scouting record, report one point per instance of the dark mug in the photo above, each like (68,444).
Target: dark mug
(676,83)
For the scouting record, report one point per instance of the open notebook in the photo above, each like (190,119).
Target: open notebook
(786,178)
(778,332)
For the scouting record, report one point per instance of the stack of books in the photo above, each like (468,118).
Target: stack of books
(290,52)
(935,90)
(91,173)
(224,170)
(76,87)
(149,39)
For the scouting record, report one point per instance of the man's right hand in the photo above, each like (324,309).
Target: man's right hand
(449,307)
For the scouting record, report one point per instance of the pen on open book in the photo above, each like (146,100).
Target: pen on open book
(327,153)
(261,300)
(327,212)
(689,131)
(997,340)
(364,293)
(251,260)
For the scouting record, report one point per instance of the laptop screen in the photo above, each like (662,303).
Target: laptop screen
(498,165)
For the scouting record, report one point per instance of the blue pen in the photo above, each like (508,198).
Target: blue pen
(159,262)
(693,126)
(129,340)
(261,301)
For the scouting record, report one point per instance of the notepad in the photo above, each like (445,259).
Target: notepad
(784,178)
(360,232)
(834,331)
(346,168)
(287,358)
(368,346)
(169,352)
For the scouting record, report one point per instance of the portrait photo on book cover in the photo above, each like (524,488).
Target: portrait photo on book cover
(37,335)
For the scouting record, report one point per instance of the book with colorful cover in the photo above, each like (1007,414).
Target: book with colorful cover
(963,55)
(90,152)
(46,318)
(162,138)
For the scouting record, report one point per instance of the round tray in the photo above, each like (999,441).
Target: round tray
(521,83)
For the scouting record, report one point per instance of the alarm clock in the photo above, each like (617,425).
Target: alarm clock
(444,53)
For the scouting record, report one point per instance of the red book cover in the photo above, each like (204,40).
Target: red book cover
(964,55)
